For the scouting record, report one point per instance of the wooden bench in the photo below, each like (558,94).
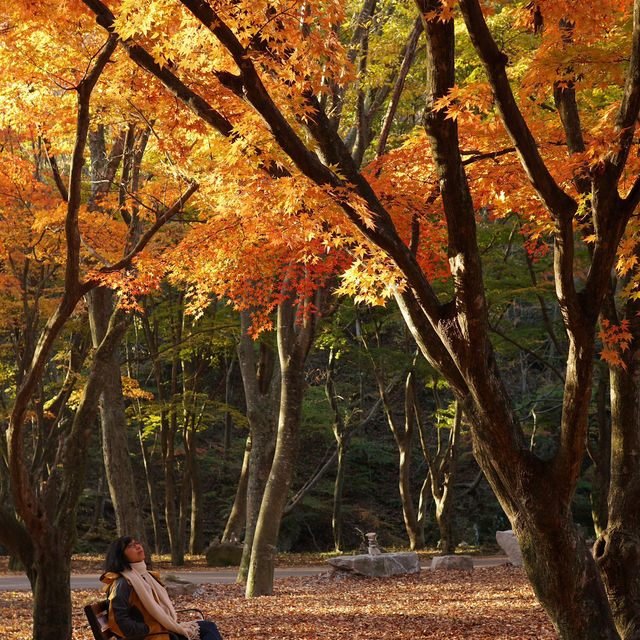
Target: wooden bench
(98,618)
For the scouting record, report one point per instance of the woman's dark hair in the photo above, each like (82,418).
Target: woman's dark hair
(115,559)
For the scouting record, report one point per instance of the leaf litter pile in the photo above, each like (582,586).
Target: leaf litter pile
(487,603)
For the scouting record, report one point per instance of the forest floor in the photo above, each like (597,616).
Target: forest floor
(490,603)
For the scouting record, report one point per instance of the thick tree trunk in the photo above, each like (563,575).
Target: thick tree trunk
(562,572)
(113,419)
(51,601)
(238,515)
(617,550)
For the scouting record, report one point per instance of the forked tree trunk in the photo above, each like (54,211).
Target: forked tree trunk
(261,567)
(54,539)
(294,342)
(442,475)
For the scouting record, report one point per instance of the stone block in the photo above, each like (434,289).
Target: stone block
(378,566)
(178,586)
(509,544)
(459,562)
(223,554)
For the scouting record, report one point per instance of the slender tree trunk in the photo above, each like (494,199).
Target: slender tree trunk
(443,474)
(601,460)
(238,515)
(196,538)
(336,517)
(228,394)
(415,533)
(403,436)
(183,506)
(153,502)
(173,495)
(113,419)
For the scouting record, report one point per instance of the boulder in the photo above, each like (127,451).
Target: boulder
(509,544)
(462,563)
(378,566)
(223,554)
(177,586)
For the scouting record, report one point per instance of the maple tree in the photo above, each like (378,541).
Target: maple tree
(259,84)
(52,77)
(261,70)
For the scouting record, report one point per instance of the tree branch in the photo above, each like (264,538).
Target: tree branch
(560,204)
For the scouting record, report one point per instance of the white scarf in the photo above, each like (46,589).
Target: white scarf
(156,601)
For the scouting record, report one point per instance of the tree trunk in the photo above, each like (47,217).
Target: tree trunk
(173,495)
(51,601)
(113,419)
(238,515)
(261,385)
(228,396)
(260,575)
(260,459)
(443,518)
(601,460)
(196,538)
(442,473)
(416,536)
(617,550)
(294,342)
(403,436)
(153,502)
(336,517)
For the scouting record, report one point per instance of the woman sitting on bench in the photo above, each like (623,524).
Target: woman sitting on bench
(138,601)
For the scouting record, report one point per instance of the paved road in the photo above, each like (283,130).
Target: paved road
(18,582)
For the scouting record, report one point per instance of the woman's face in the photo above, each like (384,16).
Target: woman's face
(134,551)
